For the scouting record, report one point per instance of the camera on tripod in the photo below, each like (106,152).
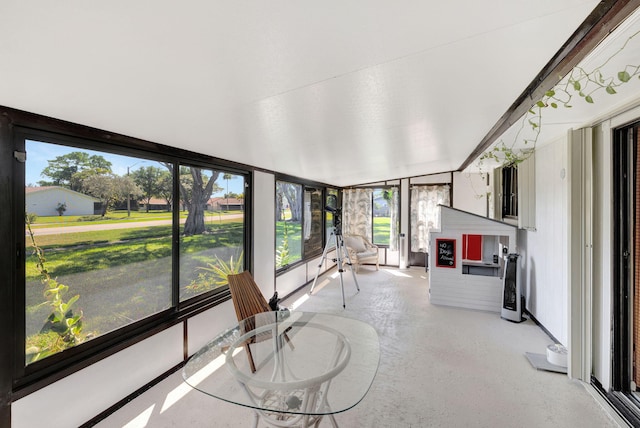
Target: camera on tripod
(340,250)
(332,207)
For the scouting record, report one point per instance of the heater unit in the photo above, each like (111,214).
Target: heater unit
(511,301)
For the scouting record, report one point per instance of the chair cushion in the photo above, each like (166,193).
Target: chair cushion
(355,243)
(364,254)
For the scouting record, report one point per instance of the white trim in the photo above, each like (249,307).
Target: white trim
(580,238)
(606,406)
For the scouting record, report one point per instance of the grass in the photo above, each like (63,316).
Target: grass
(381,230)
(122,275)
(119,217)
(110,248)
(294,236)
(103,236)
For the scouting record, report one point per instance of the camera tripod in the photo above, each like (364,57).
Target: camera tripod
(340,250)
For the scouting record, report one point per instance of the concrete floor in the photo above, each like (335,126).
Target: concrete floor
(439,367)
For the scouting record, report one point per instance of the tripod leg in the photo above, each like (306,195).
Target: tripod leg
(324,257)
(351,267)
(339,248)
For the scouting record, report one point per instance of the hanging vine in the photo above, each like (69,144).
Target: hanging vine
(581,84)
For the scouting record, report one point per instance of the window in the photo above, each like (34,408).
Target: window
(101,259)
(300,224)
(312,221)
(288,223)
(332,201)
(382,207)
(625,382)
(515,185)
(212,229)
(509,191)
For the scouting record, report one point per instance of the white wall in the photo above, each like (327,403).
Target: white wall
(44,202)
(264,234)
(470,192)
(544,251)
(90,391)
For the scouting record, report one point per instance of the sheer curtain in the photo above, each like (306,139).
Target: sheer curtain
(394,210)
(425,213)
(357,212)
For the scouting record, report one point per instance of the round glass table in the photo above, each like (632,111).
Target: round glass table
(291,368)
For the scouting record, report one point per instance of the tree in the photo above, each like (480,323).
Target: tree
(292,192)
(195,191)
(110,188)
(226,176)
(148,180)
(71,169)
(165,188)
(241,197)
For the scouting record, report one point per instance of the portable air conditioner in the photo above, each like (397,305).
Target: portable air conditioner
(511,301)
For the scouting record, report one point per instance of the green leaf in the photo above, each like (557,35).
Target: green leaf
(577,86)
(610,90)
(550,93)
(73,300)
(588,99)
(623,76)
(554,105)
(541,104)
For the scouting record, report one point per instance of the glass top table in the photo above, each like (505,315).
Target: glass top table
(307,365)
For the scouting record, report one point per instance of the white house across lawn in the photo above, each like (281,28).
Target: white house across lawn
(45,200)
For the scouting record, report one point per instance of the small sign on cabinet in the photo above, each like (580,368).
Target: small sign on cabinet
(446,253)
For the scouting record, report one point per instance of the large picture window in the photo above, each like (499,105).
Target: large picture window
(300,222)
(212,229)
(333,202)
(312,221)
(384,215)
(288,223)
(99,238)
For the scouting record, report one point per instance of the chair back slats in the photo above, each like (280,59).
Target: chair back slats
(247,301)
(246,295)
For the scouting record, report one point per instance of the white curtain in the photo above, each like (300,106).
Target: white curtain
(394,209)
(425,213)
(357,212)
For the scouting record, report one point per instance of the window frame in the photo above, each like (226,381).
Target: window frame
(311,185)
(382,189)
(17,127)
(509,192)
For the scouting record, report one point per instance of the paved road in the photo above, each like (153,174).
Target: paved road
(112,226)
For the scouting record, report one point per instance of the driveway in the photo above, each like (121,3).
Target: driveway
(112,226)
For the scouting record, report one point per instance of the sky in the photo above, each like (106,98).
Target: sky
(38,155)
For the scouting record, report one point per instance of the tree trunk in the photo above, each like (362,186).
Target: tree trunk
(200,194)
(194,225)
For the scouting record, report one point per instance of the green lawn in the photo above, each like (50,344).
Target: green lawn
(381,230)
(119,217)
(123,275)
(294,239)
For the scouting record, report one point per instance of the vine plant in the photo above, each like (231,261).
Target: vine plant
(580,84)
(62,321)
